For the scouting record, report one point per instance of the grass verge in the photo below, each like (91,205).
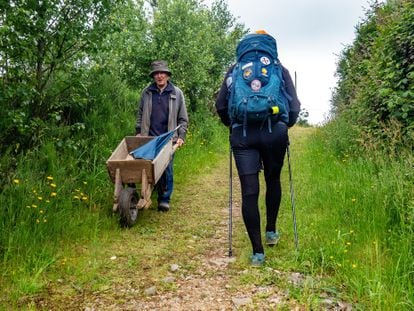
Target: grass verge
(354,219)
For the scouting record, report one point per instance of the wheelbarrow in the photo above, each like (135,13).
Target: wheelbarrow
(125,172)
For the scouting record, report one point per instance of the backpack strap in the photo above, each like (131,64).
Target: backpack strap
(230,86)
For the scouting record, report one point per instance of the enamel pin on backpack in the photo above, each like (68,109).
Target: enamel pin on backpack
(257,88)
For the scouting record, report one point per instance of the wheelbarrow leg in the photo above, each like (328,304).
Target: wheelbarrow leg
(118,188)
(146,191)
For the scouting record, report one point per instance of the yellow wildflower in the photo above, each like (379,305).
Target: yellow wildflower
(76,197)
(53,185)
(85,198)
(53,194)
(16,181)
(49,177)
(40,198)
(34,205)
(85,183)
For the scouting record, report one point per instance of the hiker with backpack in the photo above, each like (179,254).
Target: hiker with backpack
(162,109)
(258,101)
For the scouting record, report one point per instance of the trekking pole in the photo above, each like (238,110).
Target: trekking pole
(292,198)
(230,202)
(296,77)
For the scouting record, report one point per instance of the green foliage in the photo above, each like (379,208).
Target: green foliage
(45,53)
(50,51)
(356,219)
(197,44)
(203,144)
(375,89)
(70,78)
(372,134)
(125,52)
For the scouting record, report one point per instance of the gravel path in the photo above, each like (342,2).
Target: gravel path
(204,278)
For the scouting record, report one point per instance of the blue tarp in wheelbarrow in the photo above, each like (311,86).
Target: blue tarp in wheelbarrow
(150,150)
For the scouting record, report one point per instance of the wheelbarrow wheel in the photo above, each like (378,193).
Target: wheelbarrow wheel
(128,211)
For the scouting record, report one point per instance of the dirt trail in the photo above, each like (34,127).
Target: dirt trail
(196,275)
(204,279)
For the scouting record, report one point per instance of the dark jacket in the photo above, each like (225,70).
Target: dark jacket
(223,97)
(177,112)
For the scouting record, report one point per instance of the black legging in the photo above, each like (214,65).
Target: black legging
(268,148)
(250,208)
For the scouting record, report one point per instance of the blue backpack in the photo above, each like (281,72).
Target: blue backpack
(257,90)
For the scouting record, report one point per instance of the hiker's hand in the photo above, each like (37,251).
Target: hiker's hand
(137,135)
(180,142)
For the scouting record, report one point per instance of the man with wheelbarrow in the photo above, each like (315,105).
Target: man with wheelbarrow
(162,109)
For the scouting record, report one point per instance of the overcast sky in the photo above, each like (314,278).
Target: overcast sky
(310,35)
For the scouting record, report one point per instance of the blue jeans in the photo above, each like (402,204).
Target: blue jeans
(165,184)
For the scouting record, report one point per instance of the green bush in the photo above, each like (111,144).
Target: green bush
(375,87)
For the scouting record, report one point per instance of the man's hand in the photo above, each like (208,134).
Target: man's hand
(180,142)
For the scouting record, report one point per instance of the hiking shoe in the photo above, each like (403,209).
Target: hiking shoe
(272,237)
(163,206)
(257,259)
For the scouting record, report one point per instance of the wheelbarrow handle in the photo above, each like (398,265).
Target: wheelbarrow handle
(174,148)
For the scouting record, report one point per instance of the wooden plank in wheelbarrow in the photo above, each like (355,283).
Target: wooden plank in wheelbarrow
(162,160)
(130,168)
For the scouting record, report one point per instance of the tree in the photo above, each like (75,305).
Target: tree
(125,52)
(45,47)
(198,44)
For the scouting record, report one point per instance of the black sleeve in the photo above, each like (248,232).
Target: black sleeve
(139,115)
(222,100)
(294,104)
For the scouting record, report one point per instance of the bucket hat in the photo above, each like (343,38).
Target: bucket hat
(159,66)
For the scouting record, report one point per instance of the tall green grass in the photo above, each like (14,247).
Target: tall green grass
(60,194)
(356,219)
(206,141)
(355,210)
